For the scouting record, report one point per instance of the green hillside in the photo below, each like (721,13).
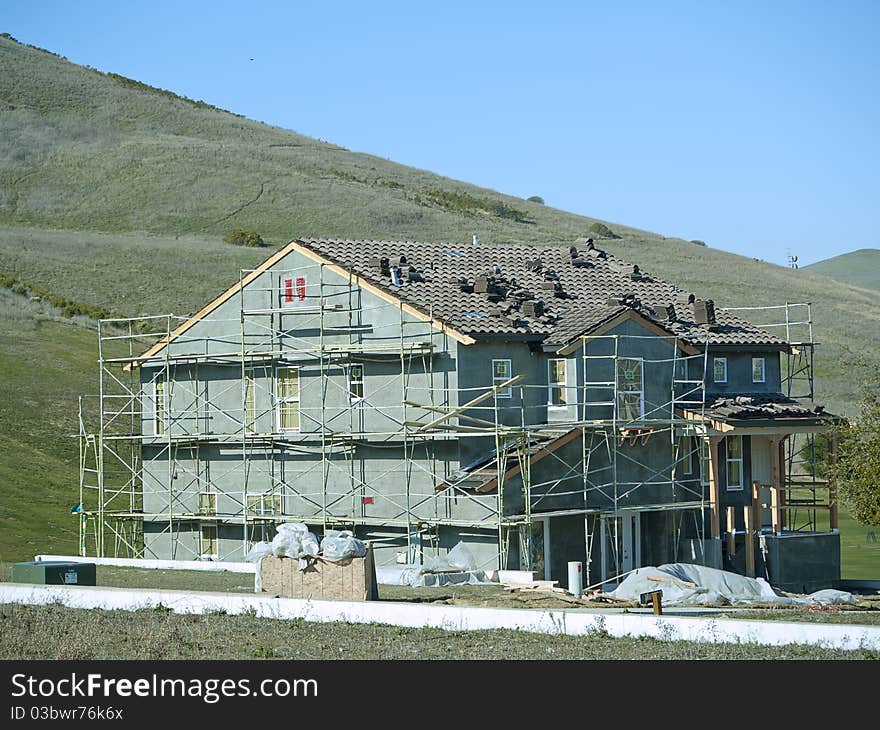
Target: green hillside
(860,268)
(116,195)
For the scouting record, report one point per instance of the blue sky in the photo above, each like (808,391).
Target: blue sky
(752,126)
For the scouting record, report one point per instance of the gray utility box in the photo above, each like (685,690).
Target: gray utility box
(52,572)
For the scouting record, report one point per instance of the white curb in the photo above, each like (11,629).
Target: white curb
(454,618)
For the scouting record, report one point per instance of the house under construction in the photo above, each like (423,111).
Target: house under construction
(540,404)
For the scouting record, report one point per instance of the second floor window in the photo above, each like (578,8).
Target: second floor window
(685,455)
(501,372)
(264,504)
(719,369)
(355,383)
(250,405)
(734,463)
(630,388)
(758,374)
(207,503)
(287,399)
(556,381)
(160,404)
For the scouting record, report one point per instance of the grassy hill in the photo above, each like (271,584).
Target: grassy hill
(116,195)
(860,268)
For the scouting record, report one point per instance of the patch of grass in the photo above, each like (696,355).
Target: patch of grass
(55,632)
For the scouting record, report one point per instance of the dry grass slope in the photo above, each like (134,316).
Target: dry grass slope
(116,195)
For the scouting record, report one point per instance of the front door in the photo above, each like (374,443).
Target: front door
(621,543)
(539,548)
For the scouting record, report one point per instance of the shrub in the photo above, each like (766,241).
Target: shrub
(536,199)
(703,243)
(600,230)
(243,237)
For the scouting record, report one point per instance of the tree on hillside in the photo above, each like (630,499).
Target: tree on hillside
(857,472)
(243,237)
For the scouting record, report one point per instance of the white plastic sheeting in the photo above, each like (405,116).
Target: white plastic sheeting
(684,584)
(341,544)
(457,567)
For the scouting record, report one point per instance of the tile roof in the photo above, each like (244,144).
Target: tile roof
(764,406)
(548,294)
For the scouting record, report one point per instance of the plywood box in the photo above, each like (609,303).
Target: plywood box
(345,580)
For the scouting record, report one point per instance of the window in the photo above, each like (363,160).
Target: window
(719,370)
(287,399)
(685,455)
(208,503)
(355,383)
(209,541)
(705,472)
(264,504)
(734,463)
(501,372)
(160,404)
(758,374)
(630,388)
(250,405)
(556,380)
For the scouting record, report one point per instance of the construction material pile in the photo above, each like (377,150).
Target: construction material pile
(684,584)
(294,540)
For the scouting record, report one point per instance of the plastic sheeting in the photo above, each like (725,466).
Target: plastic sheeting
(340,545)
(292,540)
(457,567)
(713,587)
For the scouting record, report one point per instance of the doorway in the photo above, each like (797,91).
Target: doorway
(621,540)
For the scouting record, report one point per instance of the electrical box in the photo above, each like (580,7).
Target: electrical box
(51,572)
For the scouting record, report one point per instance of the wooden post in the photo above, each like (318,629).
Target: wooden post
(656,597)
(714,488)
(832,487)
(777,507)
(777,483)
(731,531)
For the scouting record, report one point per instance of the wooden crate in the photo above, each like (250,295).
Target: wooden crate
(346,580)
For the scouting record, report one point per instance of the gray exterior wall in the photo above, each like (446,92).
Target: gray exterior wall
(363,475)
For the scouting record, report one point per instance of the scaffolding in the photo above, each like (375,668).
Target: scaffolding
(806,493)
(145,437)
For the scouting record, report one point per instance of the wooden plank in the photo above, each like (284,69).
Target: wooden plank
(671,579)
(545,451)
(714,488)
(475,401)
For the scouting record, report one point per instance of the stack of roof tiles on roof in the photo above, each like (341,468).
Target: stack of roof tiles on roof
(763,406)
(547,294)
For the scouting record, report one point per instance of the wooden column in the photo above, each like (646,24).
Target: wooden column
(749,520)
(832,487)
(777,482)
(714,488)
